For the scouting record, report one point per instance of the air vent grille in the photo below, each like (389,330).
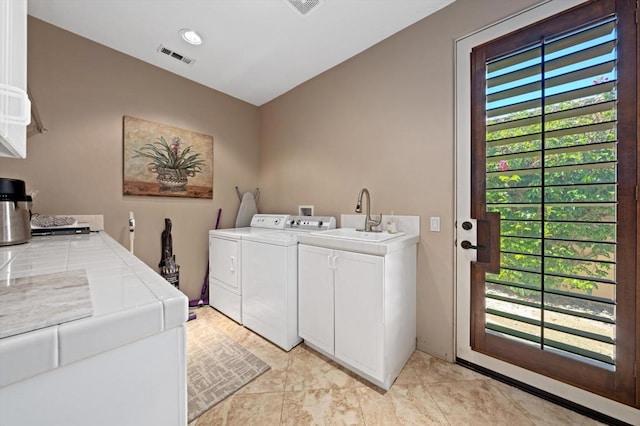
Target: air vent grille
(304,6)
(175,55)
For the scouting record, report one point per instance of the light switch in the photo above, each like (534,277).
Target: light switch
(435,224)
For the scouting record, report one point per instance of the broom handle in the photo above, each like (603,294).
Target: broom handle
(218,220)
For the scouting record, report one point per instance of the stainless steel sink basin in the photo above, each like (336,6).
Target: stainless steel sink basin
(352,234)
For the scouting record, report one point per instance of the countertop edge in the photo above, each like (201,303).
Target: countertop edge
(35,352)
(365,247)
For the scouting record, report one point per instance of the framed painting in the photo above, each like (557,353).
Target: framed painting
(166,161)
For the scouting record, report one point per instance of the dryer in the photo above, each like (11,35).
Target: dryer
(225,262)
(270,279)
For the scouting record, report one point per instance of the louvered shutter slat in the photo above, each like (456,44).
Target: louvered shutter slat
(551,167)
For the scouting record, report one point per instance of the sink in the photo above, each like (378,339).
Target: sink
(352,234)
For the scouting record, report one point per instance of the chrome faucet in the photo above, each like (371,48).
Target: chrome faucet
(369,222)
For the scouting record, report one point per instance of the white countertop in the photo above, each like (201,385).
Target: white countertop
(129,301)
(55,298)
(409,226)
(366,247)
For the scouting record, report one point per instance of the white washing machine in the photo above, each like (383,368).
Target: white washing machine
(225,262)
(270,279)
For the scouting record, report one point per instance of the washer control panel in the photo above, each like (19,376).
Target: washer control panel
(310,223)
(269,221)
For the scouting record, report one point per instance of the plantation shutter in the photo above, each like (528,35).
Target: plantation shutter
(554,179)
(551,169)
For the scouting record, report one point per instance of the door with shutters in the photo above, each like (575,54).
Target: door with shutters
(553,198)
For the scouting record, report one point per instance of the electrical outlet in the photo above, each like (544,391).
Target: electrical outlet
(435,224)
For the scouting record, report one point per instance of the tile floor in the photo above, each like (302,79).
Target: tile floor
(305,388)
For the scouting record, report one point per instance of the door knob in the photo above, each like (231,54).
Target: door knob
(467,245)
(487,240)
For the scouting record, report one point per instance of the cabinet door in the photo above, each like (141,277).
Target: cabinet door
(315,296)
(359,328)
(224,262)
(15,111)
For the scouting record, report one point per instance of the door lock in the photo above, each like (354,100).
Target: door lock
(467,225)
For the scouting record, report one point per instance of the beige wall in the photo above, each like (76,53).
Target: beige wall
(382,120)
(83,90)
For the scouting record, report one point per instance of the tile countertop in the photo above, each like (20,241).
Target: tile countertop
(409,225)
(56,298)
(129,302)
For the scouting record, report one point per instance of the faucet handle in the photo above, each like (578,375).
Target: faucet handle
(370,222)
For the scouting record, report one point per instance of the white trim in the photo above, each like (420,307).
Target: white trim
(463,212)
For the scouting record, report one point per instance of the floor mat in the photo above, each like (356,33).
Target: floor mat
(217,367)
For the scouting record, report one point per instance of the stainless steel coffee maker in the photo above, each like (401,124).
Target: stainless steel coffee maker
(15,212)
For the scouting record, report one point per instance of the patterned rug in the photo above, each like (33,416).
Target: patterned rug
(217,366)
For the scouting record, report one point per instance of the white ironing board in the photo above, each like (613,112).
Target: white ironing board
(246,211)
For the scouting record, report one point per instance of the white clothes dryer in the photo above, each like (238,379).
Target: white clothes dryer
(225,262)
(270,279)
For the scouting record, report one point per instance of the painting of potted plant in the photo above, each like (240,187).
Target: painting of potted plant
(166,161)
(173,165)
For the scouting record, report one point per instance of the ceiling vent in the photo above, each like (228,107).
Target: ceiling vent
(175,55)
(304,6)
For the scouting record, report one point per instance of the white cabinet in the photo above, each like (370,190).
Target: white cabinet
(15,108)
(225,291)
(125,365)
(359,313)
(340,304)
(359,309)
(315,296)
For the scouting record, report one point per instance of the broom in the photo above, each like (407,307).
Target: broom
(204,292)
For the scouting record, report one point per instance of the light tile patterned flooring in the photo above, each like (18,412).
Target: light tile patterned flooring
(305,388)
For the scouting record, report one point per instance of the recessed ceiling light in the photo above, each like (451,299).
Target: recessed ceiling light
(190,36)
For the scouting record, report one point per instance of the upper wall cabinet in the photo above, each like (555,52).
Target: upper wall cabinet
(15,108)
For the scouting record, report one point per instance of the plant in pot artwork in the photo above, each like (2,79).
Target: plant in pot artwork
(166,161)
(173,164)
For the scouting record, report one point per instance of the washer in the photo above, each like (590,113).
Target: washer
(270,279)
(225,262)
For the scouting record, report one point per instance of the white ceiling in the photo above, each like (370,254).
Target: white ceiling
(254,50)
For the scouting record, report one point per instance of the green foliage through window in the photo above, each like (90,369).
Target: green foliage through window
(551,170)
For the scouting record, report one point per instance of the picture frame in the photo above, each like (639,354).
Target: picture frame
(166,161)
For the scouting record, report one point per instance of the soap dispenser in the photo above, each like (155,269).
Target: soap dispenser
(391,225)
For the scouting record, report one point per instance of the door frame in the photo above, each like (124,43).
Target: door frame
(462,208)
